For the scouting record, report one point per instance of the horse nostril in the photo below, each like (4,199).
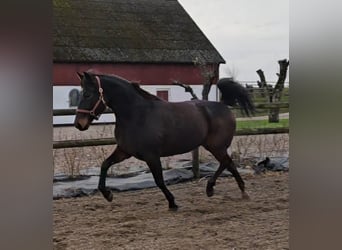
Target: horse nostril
(81,123)
(78,126)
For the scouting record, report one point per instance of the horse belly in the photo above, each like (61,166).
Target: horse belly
(183,140)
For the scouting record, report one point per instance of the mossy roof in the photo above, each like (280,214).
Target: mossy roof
(128,31)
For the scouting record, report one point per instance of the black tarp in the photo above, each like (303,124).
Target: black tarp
(64,187)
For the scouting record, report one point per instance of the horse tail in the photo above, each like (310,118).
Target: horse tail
(234,93)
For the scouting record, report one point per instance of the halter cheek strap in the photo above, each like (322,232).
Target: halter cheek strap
(101,99)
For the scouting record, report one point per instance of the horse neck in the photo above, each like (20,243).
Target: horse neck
(123,105)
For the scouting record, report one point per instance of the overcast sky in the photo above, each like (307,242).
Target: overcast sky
(250,35)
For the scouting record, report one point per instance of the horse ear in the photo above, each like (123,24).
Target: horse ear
(90,80)
(79,75)
(87,76)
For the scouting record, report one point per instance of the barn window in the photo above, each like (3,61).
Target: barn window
(163,94)
(74,97)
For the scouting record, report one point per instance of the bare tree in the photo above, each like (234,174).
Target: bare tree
(209,74)
(274,93)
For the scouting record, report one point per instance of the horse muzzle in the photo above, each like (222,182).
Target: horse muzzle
(82,123)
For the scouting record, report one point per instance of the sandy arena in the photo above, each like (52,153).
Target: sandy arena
(141,220)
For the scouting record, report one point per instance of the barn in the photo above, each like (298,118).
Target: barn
(153,42)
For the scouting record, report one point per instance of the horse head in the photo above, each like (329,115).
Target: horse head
(92,102)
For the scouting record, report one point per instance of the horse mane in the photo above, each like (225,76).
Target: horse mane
(136,86)
(144,93)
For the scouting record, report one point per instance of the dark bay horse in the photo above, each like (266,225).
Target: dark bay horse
(149,128)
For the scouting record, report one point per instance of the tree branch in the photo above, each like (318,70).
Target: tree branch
(187,88)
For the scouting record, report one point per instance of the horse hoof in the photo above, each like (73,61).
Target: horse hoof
(210,191)
(245,196)
(173,208)
(109,196)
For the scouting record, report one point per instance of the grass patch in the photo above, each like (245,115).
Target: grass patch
(283,123)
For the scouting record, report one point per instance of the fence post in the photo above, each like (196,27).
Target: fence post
(195,163)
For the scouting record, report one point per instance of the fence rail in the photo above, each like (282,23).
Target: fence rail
(83,143)
(112,141)
(64,112)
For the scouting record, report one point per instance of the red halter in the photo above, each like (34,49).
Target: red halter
(101,99)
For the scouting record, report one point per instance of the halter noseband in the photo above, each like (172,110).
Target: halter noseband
(101,99)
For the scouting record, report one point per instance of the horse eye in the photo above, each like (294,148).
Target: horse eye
(87,95)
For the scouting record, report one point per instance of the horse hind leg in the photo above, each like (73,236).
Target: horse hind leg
(225,162)
(212,181)
(232,168)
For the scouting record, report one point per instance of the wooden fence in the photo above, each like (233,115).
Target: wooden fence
(112,141)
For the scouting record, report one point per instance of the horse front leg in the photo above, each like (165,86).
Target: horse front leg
(117,156)
(157,172)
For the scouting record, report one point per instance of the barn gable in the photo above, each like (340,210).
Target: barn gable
(128,31)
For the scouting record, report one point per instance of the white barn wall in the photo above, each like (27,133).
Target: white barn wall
(176,94)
